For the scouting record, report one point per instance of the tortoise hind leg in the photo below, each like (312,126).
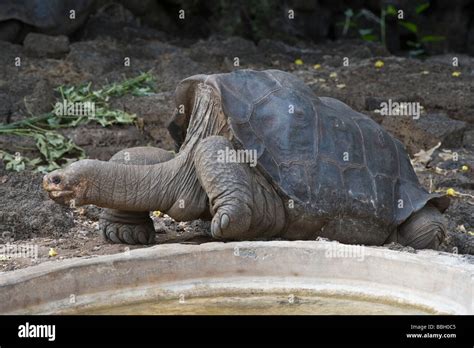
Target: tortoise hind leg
(425,229)
(243,204)
(131,227)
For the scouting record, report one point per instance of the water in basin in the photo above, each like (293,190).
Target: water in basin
(259,304)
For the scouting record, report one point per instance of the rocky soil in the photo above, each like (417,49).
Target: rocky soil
(28,217)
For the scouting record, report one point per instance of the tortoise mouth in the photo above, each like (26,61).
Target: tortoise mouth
(54,185)
(59,193)
(64,197)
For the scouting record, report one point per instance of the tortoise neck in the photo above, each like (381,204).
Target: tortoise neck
(206,118)
(171,187)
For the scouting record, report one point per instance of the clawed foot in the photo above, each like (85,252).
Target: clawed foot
(220,224)
(226,224)
(132,233)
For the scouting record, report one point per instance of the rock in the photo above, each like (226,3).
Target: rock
(464,60)
(373,103)
(216,50)
(10,30)
(92,212)
(15,143)
(280,50)
(154,49)
(174,67)
(26,211)
(463,243)
(425,132)
(5,108)
(102,60)
(41,100)
(160,226)
(153,13)
(304,5)
(470,41)
(399,247)
(117,22)
(154,108)
(462,182)
(270,46)
(47,16)
(95,57)
(468,139)
(102,143)
(8,53)
(24,90)
(41,45)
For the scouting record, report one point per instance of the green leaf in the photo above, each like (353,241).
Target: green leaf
(34,162)
(55,149)
(410,26)
(432,38)
(416,53)
(13,162)
(42,147)
(369,37)
(350,25)
(413,44)
(391,10)
(422,7)
(364,32)
(15,166)
(348,12)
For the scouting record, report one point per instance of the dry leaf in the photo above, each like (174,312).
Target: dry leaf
(423,157)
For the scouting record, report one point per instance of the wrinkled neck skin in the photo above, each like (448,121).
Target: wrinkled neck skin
(171,187)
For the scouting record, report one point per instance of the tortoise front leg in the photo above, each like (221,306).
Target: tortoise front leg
(132,227)
(243,204)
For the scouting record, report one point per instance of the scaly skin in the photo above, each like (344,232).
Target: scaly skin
(129,187)
(123,226)
(238,194)
(244,204)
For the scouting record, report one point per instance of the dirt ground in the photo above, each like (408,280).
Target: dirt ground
(28,217)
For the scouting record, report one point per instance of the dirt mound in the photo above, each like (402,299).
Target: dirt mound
(26,211)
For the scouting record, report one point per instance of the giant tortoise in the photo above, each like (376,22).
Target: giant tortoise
(319,169)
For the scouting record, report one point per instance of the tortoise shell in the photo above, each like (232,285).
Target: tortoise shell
(331,160)
(51,16)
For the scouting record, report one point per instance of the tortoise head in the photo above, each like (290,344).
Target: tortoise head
(69,185)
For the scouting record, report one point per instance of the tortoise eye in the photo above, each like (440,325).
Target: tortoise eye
(56,180)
